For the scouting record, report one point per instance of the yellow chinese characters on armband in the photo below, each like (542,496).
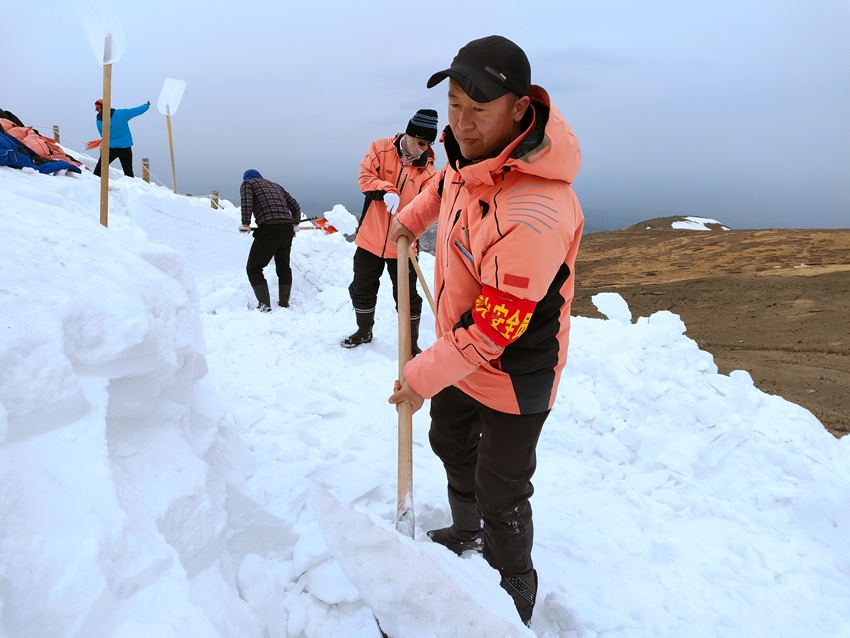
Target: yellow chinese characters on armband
(503,317)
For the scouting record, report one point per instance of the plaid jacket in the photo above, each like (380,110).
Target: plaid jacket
(268,202)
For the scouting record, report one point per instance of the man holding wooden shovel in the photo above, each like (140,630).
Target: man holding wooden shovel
(509,226)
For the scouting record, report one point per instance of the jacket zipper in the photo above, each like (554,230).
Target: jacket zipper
(454,222)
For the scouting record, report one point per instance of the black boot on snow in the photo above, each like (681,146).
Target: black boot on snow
(523,589)
(414,337)
(264,303)
(465,531)
(365,321)
(456,540)
(283,292)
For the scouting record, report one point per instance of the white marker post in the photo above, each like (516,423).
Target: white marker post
(107,41)
(169,100)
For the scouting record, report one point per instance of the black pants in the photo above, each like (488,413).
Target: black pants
(124,155)
(368,269)
(271,241)
(490,455)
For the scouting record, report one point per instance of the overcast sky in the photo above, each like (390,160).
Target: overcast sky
(738,110)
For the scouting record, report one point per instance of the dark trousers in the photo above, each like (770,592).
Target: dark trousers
(368,269)
(124,155)
(491,456)
(271,241)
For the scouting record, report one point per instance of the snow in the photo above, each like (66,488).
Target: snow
(174,463)
(341,219)
(697,223)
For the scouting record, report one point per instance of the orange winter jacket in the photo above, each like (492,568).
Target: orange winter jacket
(508,233)
(382,171)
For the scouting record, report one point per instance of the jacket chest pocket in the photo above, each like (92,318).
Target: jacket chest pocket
(461,239)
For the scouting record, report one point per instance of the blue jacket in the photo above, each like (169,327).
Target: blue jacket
(119,127)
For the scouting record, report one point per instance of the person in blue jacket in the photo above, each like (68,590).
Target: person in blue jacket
(120,138)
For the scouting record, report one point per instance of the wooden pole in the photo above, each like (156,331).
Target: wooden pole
(214,199)
(171,147)
(405,519)
(56,133)
(104,145)
(146,169)
(422,281)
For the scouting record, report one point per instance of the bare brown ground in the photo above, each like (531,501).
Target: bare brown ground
(775,303)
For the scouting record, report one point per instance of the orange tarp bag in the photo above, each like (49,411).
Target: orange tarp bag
(35,143)
(57,153)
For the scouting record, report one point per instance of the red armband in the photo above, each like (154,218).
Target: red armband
(502,317)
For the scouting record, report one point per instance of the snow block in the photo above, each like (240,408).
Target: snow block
(413,592)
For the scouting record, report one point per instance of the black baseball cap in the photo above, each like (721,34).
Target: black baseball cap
(488,68)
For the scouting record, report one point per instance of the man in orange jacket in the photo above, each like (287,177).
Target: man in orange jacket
(393,171)
(508,233)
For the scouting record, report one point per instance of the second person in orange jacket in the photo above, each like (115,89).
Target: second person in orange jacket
(393,172)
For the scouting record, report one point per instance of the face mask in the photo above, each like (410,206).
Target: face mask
(410,149)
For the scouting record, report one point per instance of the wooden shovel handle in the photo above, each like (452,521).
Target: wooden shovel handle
(422,281)
(106,110)
(404,520)
(171,149)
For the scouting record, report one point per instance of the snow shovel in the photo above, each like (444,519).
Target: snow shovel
(319,223)
(169,100)
(404,519)
(107,41)
(324,226)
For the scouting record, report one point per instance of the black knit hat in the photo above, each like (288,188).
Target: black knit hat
(423,125)
(488,68)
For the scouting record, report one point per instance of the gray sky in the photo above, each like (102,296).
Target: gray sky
(737,110)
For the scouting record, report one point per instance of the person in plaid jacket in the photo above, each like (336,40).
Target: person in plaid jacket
(277,214)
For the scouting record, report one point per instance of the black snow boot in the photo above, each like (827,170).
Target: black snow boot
(523,589)
(414,337)
(365,321)
(264,303)
(283,292)
(465,531)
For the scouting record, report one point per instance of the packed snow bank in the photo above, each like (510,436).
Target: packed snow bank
(106,426)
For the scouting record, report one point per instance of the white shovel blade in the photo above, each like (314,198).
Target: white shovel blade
(170,96)
(105,34)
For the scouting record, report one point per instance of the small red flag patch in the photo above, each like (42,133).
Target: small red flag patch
(516,281)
